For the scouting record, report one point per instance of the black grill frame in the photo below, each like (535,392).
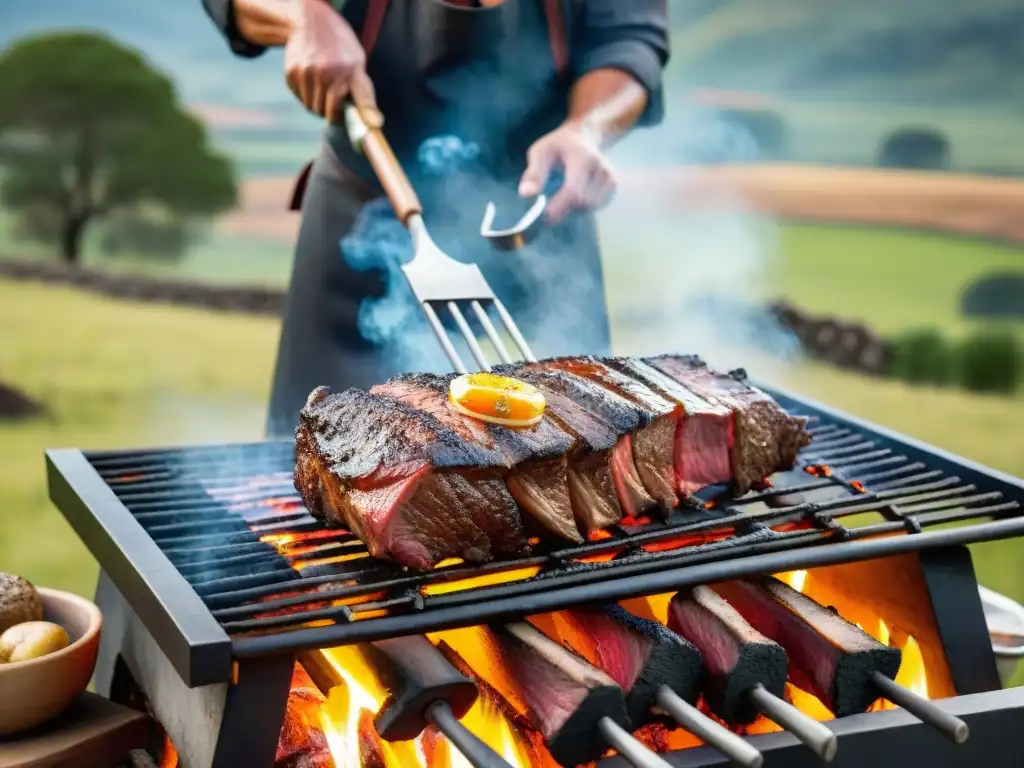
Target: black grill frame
(201,650)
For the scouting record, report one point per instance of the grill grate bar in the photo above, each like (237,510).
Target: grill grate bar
(868,502)
(231,523)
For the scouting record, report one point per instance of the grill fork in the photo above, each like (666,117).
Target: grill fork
(436,279)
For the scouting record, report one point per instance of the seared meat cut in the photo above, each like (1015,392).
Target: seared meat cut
(765,438)
(603,481)
(703,438)
(653,439)
(411,488)
(736,656)
(828,656)
(535,456)
(640,655)
(565,697)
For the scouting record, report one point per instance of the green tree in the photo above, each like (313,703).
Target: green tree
(88,129)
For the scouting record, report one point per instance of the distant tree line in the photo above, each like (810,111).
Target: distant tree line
(90,134)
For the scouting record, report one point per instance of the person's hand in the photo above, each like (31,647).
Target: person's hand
(588,179)
(324,62)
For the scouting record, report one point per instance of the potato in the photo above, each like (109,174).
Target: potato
(19,601)
(32,639)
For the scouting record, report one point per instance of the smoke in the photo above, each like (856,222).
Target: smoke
(688,271)
(541,285)
(690,263)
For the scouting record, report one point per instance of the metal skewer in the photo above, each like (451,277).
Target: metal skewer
(812,733)
(715,735)
(472,748)
(953,728)
(635,753)
(425,687)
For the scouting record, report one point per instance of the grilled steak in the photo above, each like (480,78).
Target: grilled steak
(765,438)
(411,488)
(535,457)
(652,442)
(703,438)
(420,482)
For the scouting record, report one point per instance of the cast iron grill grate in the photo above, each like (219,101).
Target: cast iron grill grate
(229,523)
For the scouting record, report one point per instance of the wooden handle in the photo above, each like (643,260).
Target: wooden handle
(371,142)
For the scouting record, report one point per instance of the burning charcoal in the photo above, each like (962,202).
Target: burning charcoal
(830,657)
(302,743)
(579,709)
(736,656)
(745,672)
(371,750)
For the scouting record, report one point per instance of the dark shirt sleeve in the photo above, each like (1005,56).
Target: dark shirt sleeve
(223,14)
(631,35)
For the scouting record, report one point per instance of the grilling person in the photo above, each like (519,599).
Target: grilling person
(541,87)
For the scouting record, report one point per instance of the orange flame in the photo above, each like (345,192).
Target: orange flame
(350,706)
(169,756)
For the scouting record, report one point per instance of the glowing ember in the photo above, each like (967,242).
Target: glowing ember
(796,579)
(485,580)
(169,756)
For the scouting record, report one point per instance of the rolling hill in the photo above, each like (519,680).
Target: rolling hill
(955,65)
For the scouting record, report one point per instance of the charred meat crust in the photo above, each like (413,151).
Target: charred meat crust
(736,656)
(536,456)
(565,696)
(666,659)
(828,656)
(622,435)
(397,478)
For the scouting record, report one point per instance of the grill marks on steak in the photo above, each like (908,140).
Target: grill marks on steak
(535,457)
(766,439)
(398,479)
(652,442)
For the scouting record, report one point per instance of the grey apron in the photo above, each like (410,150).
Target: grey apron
(488,76)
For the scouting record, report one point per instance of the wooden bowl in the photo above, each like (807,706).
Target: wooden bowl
(37,690)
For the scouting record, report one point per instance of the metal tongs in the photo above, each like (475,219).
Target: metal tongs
(520,233)
(435,277)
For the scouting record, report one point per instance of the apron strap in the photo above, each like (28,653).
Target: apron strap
(372,24)
(557,36)
(553,12)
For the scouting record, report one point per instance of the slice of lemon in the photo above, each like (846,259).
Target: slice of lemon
(496,399)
